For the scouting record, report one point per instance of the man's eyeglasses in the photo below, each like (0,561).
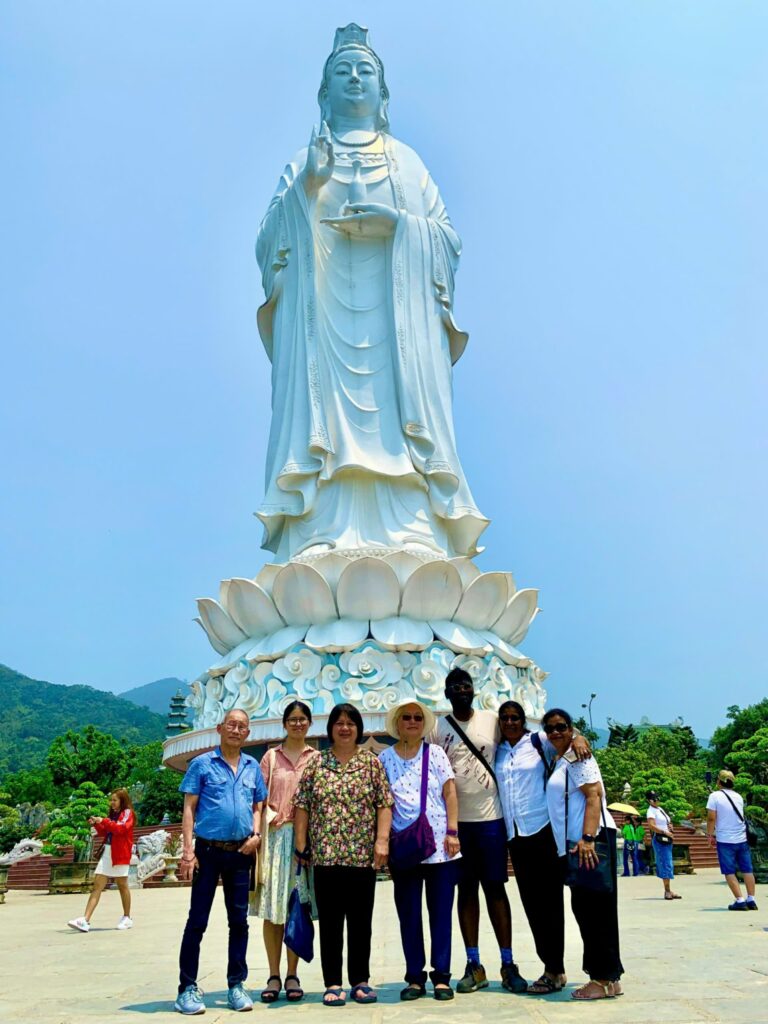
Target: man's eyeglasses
(510,718)
(411,718)
(232,727)
(297,721)
(557,727)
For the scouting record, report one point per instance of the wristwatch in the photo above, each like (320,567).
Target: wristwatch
(587,838)
(453,832)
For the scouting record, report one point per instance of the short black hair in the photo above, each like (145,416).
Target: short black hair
(515,707)
(296,705)
(458,675)
(351,711)
(559,713)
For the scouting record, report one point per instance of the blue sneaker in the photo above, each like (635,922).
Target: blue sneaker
(190,1001)
(238,998)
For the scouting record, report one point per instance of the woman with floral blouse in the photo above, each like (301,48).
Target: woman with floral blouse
(342,821)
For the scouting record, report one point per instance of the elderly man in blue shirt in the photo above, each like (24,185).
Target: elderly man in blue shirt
(223,796)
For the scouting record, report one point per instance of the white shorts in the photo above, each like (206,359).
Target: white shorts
(106,867)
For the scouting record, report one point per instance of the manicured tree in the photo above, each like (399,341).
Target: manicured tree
(69,825)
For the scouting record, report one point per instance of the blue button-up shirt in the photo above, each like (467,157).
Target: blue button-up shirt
(226,799)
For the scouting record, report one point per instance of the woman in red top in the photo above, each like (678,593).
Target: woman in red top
(115,859)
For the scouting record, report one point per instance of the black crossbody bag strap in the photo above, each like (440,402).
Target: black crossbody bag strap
(548,768)
(471,747)
(739,815)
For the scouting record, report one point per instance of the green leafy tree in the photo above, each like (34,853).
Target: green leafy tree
(684,735)
(619,764)
(161,796)
(672,796)
(69,825)
(31,785)
(742,724)
(664,746)
(622,734)
(11,828)
(749,760)
(88,755)
(144,762)
(583,726)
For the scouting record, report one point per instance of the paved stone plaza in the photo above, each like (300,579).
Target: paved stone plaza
(686,962)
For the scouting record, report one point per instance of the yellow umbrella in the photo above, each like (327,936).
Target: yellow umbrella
(626,808)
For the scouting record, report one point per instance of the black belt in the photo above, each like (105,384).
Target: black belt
(232,845)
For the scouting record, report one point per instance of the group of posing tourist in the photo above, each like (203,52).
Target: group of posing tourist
(444,808)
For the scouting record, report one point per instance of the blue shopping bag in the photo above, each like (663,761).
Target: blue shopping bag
(299,927)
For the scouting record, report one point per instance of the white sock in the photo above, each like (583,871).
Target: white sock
(739,899)
(750,899)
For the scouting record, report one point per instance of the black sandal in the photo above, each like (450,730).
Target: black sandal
(271,995)
(293,995)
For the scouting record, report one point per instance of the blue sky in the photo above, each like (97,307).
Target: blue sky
(605,166)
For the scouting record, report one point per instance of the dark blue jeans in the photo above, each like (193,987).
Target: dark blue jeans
(439,880)
(234,870)
(630,849)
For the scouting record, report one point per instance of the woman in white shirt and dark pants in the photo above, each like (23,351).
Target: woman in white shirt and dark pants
(523,765)
(579,817)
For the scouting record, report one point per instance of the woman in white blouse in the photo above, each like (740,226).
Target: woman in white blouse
(403,763)
(579,816)
(524,762)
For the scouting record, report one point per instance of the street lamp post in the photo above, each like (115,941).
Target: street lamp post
(589,710)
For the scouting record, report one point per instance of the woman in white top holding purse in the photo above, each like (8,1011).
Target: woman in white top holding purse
(660,825)
(585,835)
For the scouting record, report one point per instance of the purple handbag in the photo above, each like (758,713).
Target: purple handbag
(416,842)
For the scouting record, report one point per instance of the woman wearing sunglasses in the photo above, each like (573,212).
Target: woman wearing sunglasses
(580,820)
(433,859)
(524,762)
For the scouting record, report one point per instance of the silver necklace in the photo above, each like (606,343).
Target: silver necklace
(357,145)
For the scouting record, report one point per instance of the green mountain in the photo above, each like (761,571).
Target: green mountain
(156,696)
(33,712)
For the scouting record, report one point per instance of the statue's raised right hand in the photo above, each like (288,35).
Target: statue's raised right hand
(320,160)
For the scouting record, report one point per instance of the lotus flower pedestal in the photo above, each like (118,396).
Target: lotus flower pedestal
(370,627)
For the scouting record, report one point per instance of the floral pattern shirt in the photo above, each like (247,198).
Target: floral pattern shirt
(342,801)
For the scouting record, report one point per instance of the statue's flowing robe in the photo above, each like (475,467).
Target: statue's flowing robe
(361,336)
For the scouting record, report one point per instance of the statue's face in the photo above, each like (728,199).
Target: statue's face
(353,83)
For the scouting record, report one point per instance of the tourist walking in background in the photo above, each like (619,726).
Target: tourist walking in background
(342,823)
(469,738)
(660,825)
(223,793)
(115,860)
(634,837)
(580,821)
(282,768)
(524,762)
(727,829)
(421,779)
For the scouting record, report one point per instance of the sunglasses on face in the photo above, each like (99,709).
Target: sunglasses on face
(411,718)
(510,718)
(557,727)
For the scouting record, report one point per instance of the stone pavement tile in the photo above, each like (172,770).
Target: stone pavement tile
(686,962)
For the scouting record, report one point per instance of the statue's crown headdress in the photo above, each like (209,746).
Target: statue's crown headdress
(351,35)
